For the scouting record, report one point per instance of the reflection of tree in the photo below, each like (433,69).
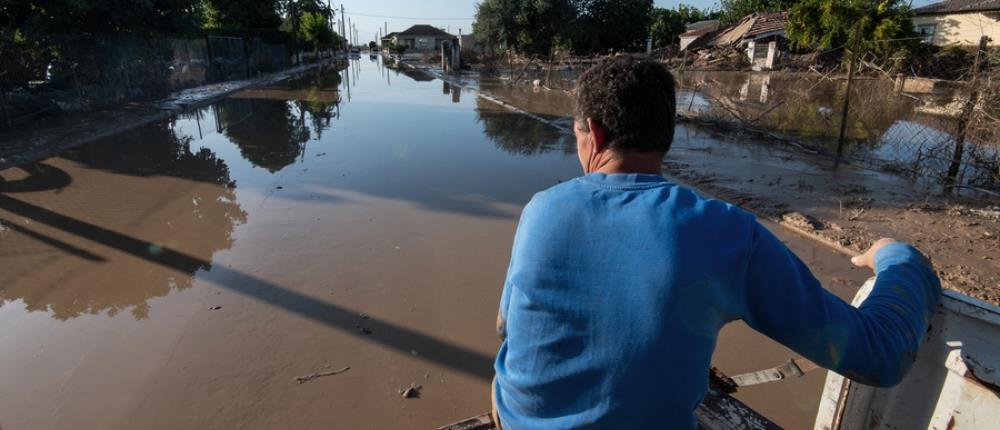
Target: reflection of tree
(271,128)
(519,134)
(145,185)
(267,132)
(317,102)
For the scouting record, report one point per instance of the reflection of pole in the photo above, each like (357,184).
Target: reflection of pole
(847,94)
(218,122)
(966,114)
(197,119)
(348,82)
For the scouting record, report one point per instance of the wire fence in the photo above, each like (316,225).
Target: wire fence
(896,122)
(945,132)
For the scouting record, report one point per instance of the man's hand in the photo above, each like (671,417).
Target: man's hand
(868,258)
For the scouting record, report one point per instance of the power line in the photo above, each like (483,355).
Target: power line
(409,17)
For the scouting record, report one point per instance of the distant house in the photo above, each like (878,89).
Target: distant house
(958,22)
(387,39)
(696,30)
(468,41)
(420,37)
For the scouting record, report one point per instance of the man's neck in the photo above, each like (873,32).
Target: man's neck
(645,163)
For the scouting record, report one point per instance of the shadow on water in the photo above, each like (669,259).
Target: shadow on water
(393,336)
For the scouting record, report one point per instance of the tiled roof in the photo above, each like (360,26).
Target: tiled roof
(958,6)
(747,28)
(424,30)
(768,22)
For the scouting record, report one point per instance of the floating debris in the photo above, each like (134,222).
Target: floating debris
(411,393)
(310,377)
(215,308)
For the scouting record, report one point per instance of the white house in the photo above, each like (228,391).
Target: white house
(958,22)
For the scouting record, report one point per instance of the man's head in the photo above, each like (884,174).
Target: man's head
(625,108)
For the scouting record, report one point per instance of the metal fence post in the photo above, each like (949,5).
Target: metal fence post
(965,117)
(847,94)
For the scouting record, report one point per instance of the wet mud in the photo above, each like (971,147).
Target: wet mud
(225,267)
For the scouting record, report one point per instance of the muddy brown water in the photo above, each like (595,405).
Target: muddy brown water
(183,274)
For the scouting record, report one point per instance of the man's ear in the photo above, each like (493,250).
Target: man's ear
(597,130)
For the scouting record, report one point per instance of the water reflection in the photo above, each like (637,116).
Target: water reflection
(520,134)
(149,183)
(272,125)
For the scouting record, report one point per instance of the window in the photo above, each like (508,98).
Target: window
(926,32)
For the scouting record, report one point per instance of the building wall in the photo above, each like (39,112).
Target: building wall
(421,43)
(685,41)
(963,29)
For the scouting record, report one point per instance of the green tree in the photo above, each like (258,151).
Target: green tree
(495,24)
(316,30)
(668,24)
(241,16)
(605,25)
(530,26)
(831,23)
(731,11)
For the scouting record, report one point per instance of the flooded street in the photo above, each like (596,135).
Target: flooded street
(183,274)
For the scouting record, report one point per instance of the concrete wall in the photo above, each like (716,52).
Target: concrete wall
(963,29)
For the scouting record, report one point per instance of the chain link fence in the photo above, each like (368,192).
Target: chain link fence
(946,132)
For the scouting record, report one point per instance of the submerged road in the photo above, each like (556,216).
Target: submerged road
(183,274)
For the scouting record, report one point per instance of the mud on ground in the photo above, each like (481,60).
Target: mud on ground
(847,207)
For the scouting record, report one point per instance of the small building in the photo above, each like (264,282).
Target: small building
(421,37)
(468,41)
(958,22)
(759,34)
(696,30)
(386,40)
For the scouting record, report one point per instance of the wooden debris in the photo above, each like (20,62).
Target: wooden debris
(310,377)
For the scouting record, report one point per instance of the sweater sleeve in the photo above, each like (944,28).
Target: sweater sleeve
(874,344)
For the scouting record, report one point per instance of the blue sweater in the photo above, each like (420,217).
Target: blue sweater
(618,286)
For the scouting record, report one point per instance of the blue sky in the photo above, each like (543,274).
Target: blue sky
(370,15)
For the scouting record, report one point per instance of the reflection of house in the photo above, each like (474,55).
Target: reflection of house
(961,22)
(420,38)
(696,30)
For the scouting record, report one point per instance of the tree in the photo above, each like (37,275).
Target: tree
(530,26)
(668,24)
(605,25)
(495,23)
(316,30)
(731,11)
(241,16)
(831,23)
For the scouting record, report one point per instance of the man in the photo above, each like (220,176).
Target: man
(620,281)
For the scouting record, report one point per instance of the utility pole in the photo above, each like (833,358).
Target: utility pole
(343,31)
